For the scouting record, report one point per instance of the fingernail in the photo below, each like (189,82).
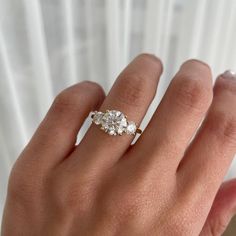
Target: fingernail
(229,74)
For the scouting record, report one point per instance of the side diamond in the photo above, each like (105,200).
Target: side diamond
(131,128)
(97,117)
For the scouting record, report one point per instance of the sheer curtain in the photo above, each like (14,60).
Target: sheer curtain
(47,45)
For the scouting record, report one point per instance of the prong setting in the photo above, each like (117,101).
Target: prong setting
(114,122)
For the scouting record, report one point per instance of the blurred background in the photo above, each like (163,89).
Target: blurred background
(47,45)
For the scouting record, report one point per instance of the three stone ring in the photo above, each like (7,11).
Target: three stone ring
(114,122)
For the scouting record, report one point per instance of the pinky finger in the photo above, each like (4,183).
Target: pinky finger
(223,209)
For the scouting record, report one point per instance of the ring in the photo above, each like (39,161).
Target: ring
(114,122)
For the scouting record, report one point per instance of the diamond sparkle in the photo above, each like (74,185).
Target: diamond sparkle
(114,122)
(131,128)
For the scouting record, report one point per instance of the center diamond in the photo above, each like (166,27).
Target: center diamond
(114,122)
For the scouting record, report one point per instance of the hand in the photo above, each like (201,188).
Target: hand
(161,185)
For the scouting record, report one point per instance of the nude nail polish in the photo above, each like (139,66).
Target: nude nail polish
(229,74)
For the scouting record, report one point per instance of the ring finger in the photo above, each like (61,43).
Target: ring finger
(131,94)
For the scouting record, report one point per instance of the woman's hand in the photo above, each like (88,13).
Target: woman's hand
(161,185)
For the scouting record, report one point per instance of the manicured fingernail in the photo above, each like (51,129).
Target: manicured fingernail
(229,74)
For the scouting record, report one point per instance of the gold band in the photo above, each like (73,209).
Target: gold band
(138,131)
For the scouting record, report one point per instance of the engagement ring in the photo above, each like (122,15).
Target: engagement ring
(114,122)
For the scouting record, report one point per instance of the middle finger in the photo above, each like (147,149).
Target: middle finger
(176,119)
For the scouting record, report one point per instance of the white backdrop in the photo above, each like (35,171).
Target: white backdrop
(47,45)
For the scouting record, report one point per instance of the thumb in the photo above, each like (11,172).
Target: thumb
(222,210)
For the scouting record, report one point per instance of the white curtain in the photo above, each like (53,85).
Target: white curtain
(47,45)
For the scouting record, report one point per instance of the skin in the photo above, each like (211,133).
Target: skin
(168,183)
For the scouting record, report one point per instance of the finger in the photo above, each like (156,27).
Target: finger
(222,210)
(211,152)
(131,94)
(176,118)
(56,136)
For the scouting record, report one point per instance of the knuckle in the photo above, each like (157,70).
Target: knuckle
(92,86)
(191,93)
(224,127)
(63,100)
(199,63)
(133,90)
(151,58)
(70,97)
